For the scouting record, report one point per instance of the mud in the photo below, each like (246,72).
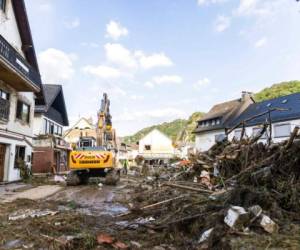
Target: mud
(92,200)
(81,212)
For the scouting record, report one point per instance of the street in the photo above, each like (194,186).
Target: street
(73,211)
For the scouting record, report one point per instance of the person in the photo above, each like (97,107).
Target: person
(125,166)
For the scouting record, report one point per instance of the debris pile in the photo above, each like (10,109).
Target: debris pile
(235,194)
(238,195)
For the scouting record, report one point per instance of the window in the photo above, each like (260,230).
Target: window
(59,130)
(220,137)
(282,130)
(23,111)
(147,147)
(256,131)
(3,94)
(19,156)
(237,134)
(55,129)
(86,143)
(46,126)
(4,105)
(218,121)
(2,4)
(51,128)
(213,122)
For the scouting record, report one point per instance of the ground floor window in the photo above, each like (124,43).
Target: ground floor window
(2,160)
(220,137)
(282,130)
(19,156)
(237,134)
(257,130)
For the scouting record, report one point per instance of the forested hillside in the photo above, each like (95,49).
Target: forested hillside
(181,129)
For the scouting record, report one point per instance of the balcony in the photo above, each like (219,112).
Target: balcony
(4,109)
(15,70)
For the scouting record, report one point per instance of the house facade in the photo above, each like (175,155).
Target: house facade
(156,146)
(82,133)
(50,149)
(282,113)
(212,127)
(19,83)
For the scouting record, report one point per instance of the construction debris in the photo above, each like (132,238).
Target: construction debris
(238,195)
(268,225)
(234,190)
(23,214)
(236,217)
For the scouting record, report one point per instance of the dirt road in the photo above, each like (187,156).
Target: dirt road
(53,216)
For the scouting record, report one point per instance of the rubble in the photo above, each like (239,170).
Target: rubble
(236,217)
(205,235)
(237,195)
(237,190)
(268,225)
(23,214)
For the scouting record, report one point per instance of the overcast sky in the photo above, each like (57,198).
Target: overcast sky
(162,59)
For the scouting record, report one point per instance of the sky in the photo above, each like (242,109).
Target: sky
(161,60)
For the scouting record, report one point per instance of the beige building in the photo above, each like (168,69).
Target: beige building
(83,128)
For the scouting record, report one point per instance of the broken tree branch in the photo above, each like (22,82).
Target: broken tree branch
(188,188)
(154,205)
(292,137)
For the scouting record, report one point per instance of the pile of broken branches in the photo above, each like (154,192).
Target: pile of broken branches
(225,198)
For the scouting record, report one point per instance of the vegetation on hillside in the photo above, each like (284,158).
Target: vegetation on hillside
(181,129)
(177,130)
(277,90)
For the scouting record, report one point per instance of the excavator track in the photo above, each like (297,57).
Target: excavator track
(72,179)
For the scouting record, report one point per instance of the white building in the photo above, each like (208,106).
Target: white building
(50,150)
(156,146)
(284,117)
(212,127)
(19,82)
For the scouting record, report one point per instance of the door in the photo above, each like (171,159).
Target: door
(2,160)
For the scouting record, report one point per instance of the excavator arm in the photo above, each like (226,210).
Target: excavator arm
(105,133)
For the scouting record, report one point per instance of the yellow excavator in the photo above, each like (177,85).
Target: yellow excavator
(98,161)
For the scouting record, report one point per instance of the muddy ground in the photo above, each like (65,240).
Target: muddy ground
(97,216)
(79,215)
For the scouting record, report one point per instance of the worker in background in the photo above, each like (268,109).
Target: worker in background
(125,165)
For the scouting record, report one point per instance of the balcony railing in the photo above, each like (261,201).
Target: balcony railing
(15,60)
(4,109)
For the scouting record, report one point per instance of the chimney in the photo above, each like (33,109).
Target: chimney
(247,96)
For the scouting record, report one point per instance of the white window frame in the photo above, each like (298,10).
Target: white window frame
(237,136)
(282,125)
(264,136)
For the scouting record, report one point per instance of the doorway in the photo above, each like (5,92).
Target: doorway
(2,161)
